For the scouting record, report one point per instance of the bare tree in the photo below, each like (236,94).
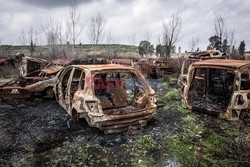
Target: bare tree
(22,40)
(231,39)
(75,26)
(132,39)
(148,35)
(193,43)
(1,42)
(50,30)
(32,40)
(109,38)
(220,28)
(171,31)
(96,29)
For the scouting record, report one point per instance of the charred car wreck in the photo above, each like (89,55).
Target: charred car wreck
(99,94)
(218,86)
(155,68)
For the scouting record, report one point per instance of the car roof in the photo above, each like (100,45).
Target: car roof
(104,67)
(222,63)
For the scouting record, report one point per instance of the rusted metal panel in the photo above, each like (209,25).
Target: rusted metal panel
(225,89)
(12,60)
(125,62)
(110,110)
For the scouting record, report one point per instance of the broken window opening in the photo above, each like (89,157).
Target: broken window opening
(245,80)
(75,82)
(211,89)
(119,92)
(65,81)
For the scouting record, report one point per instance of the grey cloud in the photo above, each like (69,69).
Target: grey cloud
(53,3)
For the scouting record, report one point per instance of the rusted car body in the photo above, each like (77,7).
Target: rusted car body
(12,60)
(111,107)
(30,64)
(125,62)
(37,82)
(198,56)
(218,86)
(156,68)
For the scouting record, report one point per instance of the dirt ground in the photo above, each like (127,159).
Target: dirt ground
(38,132)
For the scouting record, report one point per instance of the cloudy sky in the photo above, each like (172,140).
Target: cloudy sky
(129,18)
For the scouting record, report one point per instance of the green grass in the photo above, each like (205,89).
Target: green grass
(146,142)
(181,109)
(184,151)
(172,95)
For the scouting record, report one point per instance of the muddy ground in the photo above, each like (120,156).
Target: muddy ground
(38,132)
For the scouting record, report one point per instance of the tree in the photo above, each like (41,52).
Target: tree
(160,50)
(33,40)
(145,48)
(1,40)
(220,29)
(96,29)
(74,19)
(148,35)
(22,40)
(231,39)
(171,31)
(193,43)
(214,43)
(132,39)
(225,46)
(242,48)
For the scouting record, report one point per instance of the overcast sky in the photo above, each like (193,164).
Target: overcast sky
(127,17)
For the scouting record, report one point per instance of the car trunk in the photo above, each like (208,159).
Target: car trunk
(125,105)
(211,89)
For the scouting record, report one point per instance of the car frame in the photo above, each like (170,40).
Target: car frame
(238,105)
(83,101)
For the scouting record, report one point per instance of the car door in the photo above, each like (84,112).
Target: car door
(62,86)
(74,84)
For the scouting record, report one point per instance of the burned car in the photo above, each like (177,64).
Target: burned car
(198,56)
(220,87)
(40,82)
(155,68)
(104,96)
(125,62)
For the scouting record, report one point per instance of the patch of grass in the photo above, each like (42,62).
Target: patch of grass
(171,79)
(215,144)
(232,133)
(190,127)
(146,142)
(189,119)
(181,109)
(172,95)
(27,147)
(184,151)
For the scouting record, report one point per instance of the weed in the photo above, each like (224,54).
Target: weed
(181,109)
(146,142)
(172,95)
(183,150)
(214,145)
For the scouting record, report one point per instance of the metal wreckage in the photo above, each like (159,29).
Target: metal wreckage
(98,91)
(217,86)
